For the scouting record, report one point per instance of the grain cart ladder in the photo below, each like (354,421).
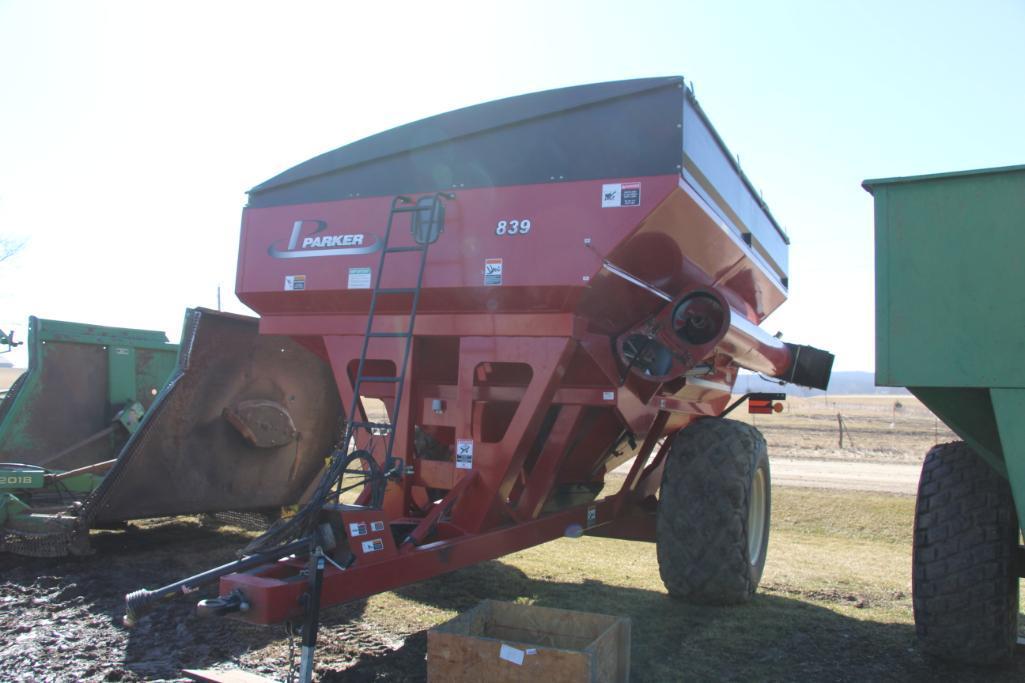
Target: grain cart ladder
(428,221)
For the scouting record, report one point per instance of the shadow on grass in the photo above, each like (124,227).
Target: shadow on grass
(770,638)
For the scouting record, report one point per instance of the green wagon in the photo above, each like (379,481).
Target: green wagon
(950,326)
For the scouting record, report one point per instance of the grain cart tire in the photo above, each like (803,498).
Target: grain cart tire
(712,529)
(964,579)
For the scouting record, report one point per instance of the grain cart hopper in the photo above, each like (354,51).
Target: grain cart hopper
(950,326)
(538,289)
(112,424)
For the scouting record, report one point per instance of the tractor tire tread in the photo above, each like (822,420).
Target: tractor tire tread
(965,583)
(702,519)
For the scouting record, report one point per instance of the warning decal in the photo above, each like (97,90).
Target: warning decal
(358,529)
(359,278)
(620,194)
(373,546)
(492,271)
(295,283)
(464,454)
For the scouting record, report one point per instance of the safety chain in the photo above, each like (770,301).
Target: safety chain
(292,667)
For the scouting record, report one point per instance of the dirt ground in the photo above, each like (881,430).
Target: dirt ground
(60,620)
(848,475)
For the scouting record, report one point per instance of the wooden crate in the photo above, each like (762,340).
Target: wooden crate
(498,642)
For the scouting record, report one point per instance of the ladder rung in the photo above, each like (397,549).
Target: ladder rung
(373,425)
(396,290)
(371,378)
(388,334)
(394,250)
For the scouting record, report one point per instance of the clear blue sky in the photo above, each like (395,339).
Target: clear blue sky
(129,131)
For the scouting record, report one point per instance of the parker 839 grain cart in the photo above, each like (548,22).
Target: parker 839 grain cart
(539,289)
(950,326)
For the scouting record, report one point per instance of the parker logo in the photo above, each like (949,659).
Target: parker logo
(307,240)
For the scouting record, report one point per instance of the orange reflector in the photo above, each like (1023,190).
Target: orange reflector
(759,407)
(778,407)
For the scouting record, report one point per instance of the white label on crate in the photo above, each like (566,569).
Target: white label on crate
(359,278)
(377,526)
(373,546)
(492,271)
(464,454)
(295,283)
(620,194)
(608,396)
(511,654)
(357,529)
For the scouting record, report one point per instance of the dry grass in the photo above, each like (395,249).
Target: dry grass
(835,604)
(880,428)
(835,601)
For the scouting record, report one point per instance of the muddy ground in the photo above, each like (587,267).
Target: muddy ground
(61,620)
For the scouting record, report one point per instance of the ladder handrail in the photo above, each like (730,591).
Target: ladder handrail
(399,204)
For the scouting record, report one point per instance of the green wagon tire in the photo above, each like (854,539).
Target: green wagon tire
(964,579)
(712,529)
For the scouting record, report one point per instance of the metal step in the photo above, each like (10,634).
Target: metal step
(381,426)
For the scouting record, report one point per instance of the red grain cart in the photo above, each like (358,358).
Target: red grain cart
(538,289)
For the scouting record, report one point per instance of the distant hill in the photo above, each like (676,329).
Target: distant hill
(849,382)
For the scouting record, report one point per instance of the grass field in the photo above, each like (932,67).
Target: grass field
(879,428)
(835,602)
(835,605)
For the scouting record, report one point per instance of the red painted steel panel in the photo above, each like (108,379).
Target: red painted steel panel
(542,270)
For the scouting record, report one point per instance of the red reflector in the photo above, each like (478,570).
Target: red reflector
(759,407)
(778,407)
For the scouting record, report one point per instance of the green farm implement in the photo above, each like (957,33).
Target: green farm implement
(950,326)
(112,424)
(65,419)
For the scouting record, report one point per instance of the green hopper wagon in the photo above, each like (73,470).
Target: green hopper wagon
(950,326)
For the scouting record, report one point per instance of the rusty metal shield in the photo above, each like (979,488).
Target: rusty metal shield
(195,449)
